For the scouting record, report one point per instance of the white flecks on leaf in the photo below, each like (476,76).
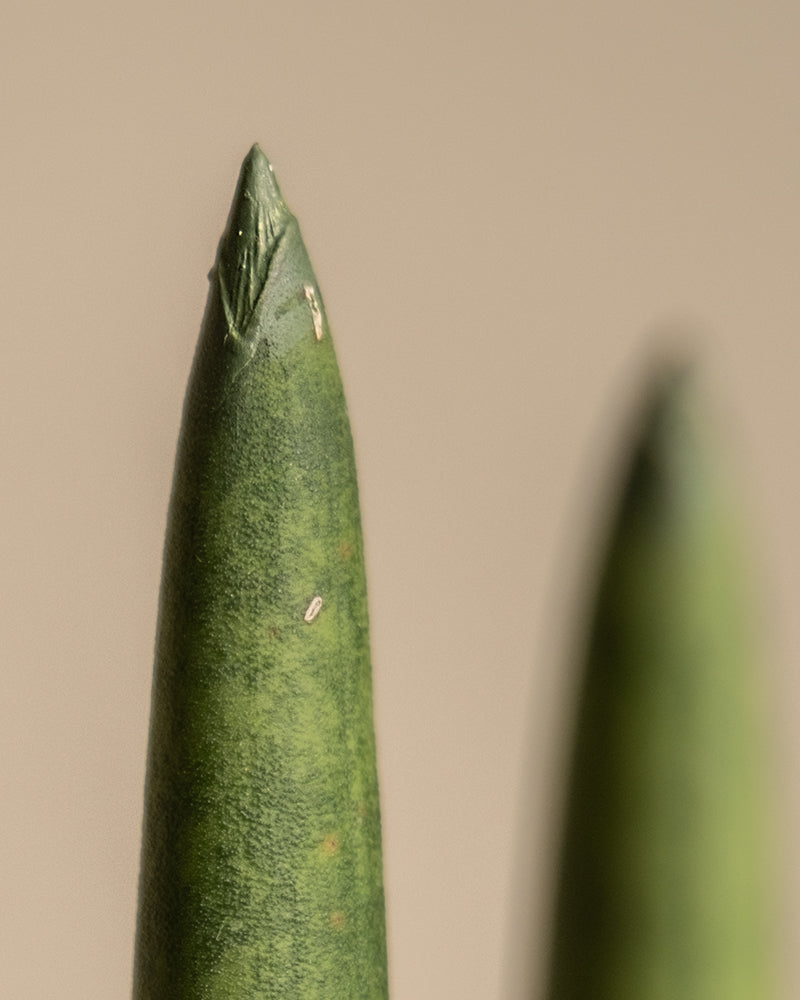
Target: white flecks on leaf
(313,609)
(316,312)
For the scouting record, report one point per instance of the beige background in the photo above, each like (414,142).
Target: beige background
(505,204)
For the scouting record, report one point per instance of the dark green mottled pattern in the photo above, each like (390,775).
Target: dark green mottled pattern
(261,865)
(663,885)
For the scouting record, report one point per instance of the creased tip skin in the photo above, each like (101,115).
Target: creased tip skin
(258,187)
(257,220)
(259,175)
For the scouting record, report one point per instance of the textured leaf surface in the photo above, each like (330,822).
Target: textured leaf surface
(261,864)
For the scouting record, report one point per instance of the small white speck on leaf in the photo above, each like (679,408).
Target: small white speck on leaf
(313,609)
(316,312)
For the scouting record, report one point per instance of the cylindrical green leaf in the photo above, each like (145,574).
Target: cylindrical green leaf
(663,891)
(261,872)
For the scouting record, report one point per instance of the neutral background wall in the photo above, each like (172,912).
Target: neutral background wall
(510,207)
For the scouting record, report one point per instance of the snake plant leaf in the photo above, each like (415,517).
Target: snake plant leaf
(261,874)
(664,882)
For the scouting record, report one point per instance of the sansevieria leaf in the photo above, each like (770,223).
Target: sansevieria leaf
(664,886)
(261,873)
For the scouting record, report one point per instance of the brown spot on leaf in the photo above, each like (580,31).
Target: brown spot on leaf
(330,845)
(338,920)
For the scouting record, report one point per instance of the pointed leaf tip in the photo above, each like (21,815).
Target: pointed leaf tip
(257,220)
(258,177)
